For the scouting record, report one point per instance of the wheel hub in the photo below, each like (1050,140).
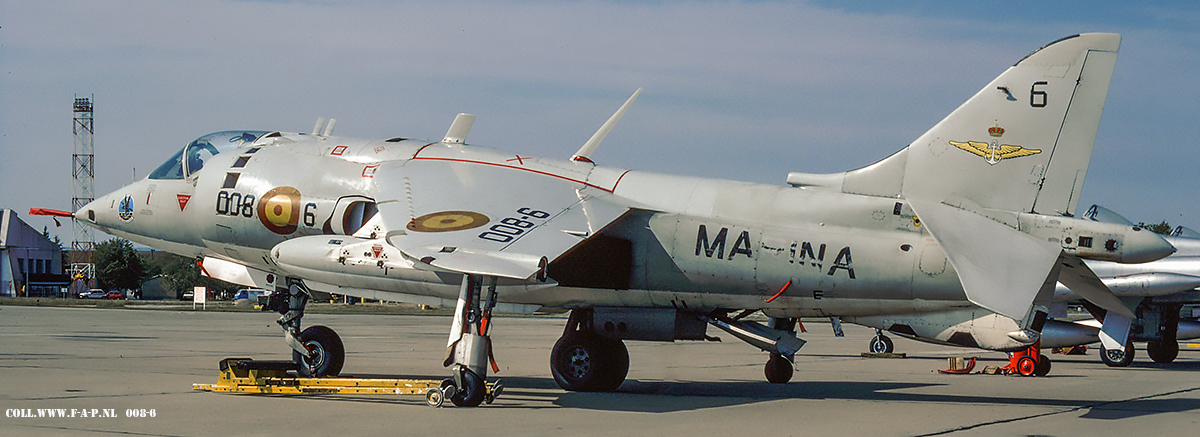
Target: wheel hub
(579,362)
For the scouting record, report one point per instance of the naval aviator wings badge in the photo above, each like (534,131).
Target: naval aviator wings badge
(994,152)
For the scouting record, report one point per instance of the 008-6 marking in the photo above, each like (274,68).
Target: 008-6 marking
(235,204)
(510,227)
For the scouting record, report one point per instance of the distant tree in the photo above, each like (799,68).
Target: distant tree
(180,273)
(1162,228)
(118,265)
(66,259)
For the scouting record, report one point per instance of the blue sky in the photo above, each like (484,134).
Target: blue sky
(738,90)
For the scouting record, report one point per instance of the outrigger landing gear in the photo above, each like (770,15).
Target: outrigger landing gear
(317,350)
(881,344)
(469,348)
(779,368)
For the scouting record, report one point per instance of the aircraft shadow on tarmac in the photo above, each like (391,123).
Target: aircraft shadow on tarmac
(669,396)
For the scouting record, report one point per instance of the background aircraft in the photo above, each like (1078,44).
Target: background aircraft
(1155,291)
(970,226)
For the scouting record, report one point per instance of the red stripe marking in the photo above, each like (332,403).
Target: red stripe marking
(202,269)
(469,161)
(781,290)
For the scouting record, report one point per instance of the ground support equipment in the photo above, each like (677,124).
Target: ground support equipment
(244,375)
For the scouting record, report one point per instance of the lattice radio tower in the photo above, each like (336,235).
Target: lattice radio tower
(83,172)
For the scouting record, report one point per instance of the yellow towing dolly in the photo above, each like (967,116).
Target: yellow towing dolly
(245,375)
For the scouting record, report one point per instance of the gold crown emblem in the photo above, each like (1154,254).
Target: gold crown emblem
(996,131)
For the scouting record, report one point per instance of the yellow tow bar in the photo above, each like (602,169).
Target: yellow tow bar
(244,375)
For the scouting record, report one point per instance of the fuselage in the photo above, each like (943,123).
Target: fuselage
(696,243)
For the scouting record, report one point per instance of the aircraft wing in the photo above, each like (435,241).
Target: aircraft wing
(487,218)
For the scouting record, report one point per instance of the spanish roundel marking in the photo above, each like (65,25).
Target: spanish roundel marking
(279,210)
(446,221)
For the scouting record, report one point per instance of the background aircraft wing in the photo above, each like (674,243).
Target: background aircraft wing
(487,218)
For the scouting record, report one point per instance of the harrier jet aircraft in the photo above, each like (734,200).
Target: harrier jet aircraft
(1155,291)
(971,224)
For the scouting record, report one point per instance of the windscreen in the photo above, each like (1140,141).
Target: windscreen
(191,159)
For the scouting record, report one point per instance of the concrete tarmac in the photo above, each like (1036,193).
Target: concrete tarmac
(133,362)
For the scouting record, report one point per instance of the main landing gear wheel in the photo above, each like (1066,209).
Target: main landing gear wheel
(329,354)
(1043,366)
(1162,352)
(881,344)
(1117,358)
(587,362)
(778,369)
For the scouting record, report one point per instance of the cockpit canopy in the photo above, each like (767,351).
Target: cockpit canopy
(191,159)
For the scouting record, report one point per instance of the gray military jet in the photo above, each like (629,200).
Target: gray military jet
(969,226)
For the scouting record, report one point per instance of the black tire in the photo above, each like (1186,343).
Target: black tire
(1043,366)
(778,369)
(617,367)
(1162,352)
(881,344)
(330,352)
(586,362)
(472,392)
(1116,358)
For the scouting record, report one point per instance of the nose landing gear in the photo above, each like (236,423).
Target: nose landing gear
(317,350)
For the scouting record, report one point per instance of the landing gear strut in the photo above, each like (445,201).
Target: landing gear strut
(1117,357)
(779,369)
(317,350)
(469,347)
(585,361)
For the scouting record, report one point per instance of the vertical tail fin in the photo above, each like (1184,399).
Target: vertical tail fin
(1023,142)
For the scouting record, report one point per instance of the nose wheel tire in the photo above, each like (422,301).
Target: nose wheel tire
(328,353)
(472,392)
(1117,358)
(881,344)
(587,362)
(778,369)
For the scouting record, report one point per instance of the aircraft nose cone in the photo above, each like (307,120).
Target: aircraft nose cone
(87,213)
(1146,246)
(101,213)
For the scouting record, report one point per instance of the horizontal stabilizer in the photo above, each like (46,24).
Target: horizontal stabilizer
(1079,278)
(1001,269)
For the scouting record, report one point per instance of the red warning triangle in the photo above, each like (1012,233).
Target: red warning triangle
(183,200)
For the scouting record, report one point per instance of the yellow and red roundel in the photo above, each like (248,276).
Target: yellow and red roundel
(279,210)
(446,221)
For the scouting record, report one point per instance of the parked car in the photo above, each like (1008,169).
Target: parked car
(114,294)
(94,293)
(251,294)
